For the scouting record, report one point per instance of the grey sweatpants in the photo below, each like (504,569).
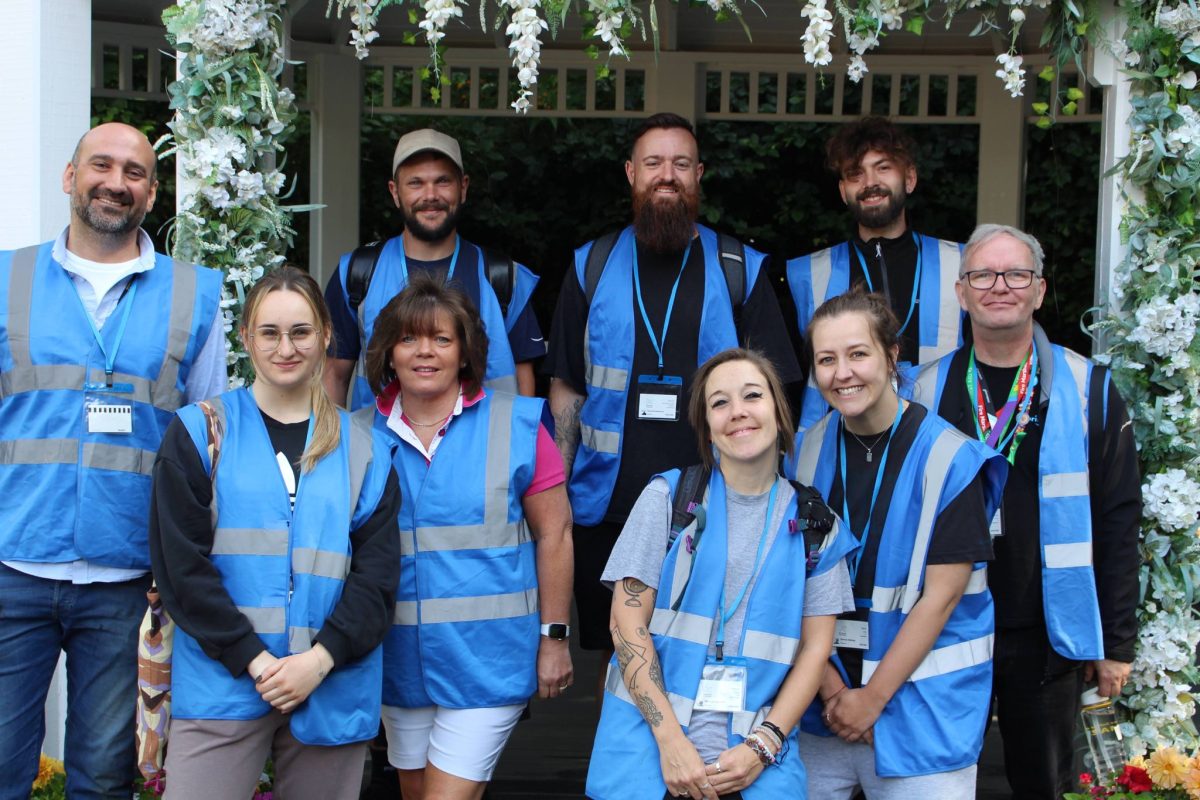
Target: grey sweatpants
(837,769)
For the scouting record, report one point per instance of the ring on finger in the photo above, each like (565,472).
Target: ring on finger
(717,764)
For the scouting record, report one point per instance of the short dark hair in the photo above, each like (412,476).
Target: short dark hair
(850,143)
(882,321)
(414,311)
(661,120)
(698,408)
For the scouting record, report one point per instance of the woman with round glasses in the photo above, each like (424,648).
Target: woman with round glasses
(485,590)
(275,547)
(904,699)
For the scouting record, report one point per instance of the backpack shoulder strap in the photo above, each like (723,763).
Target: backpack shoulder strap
(359,272)
(1097,415)
(596,259)
(501,274)
(689,494)
(814,519)
(733,264)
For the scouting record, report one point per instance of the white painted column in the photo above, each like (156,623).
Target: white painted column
(335,92)
(1115,136)
(1001,154)
(45,58)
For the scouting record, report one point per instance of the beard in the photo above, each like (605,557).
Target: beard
(107,222)
(878,216)
(425,233)
(665,224)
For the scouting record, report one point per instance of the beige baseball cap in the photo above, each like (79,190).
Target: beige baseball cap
(423,140)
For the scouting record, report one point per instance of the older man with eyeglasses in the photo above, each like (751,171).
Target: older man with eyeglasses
(1064,578)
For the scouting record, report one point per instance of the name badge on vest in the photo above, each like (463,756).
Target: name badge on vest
(852,633)
(109,418)
(722,685)
(997,526)
(658,397)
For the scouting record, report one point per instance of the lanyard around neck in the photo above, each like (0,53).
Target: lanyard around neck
(862,540)
(656,342)
(1013,417)
(912,301)
(722,614)
(453,260)
(110,357)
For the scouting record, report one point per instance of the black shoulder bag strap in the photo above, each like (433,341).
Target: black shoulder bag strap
(1097,406)
(814,520)
(502,275)
(689,493)
(733,264)
(597,257)
(359,272)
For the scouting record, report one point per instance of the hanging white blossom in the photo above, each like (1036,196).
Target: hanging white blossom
(817,34)
(1012,73)
(609,18)
(525,46)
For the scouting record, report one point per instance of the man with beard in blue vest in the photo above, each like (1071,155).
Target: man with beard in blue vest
(101,340)
(639,311)
(876,168)
(1065,578)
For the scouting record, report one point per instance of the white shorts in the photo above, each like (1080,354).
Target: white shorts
(464,742)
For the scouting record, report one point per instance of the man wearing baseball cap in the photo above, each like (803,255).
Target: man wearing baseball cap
(429,187)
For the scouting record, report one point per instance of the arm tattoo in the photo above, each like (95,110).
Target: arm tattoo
(633,588)
(566,432)
(629,653)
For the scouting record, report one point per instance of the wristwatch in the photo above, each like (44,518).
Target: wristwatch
(556,630)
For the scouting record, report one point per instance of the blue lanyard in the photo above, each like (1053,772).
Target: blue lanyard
(656,342)
(762,541)
(912,301)
(110,358)
(453,261)
(862,540)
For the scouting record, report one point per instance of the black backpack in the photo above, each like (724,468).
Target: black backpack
(501,274)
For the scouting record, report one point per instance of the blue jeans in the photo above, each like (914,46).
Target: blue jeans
(96,625)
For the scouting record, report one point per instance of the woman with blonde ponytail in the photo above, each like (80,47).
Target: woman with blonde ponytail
(274,542)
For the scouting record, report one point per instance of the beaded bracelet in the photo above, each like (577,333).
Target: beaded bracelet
(768,736)
(775,729)
(755,743)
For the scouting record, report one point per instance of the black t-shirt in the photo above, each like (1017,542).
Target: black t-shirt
(1015,576)
(892,266)
(288,439)
(650,447)
(525,339)
(960,533)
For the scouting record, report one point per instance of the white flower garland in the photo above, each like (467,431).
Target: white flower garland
(524,29)
(227,131)
(610,15)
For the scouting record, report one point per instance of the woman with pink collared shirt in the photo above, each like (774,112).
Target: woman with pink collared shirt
(486,559)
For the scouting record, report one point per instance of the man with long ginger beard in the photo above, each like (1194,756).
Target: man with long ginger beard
(874,162)
(638,312)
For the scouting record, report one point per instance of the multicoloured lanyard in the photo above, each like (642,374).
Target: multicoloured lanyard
(1013,418)
(912,301)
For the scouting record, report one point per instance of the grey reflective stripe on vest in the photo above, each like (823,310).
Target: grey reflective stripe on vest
(615,685)
(1077,364)
(742,722)
(949,313)
(943,660)
(321,563)
(183,303)
(682,625)
(820,267)
(1065,556)
(362,453)
(117,458)
(265,620)
(467,537)
(1065,484)
(39,451)
(925,386)
(1079,371)
(300,639)
(937,469)
(600,441)
(46,377)
(810,450)
(250,542)
(20,303)
(502,383)
(769,646)
(611,378)
(891,598)
(467,609)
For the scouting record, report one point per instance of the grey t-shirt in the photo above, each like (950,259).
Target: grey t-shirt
(642,548)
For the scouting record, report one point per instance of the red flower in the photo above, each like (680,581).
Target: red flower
(1085,779)
(1135,779)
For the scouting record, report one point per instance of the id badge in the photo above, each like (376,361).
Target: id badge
(722,685)
(109,418)
(658,398)
(851,633)
(997,527)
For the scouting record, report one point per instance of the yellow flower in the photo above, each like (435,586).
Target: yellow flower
(1138,761)
(1167,767)
(1191,780)
(47,769)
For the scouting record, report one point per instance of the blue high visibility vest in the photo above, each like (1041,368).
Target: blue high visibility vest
(935,720)
(284,569)
(1069,598)
(823,275)
(608,361)
(466,627)
(625,759)
(70,494)
(389,280)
